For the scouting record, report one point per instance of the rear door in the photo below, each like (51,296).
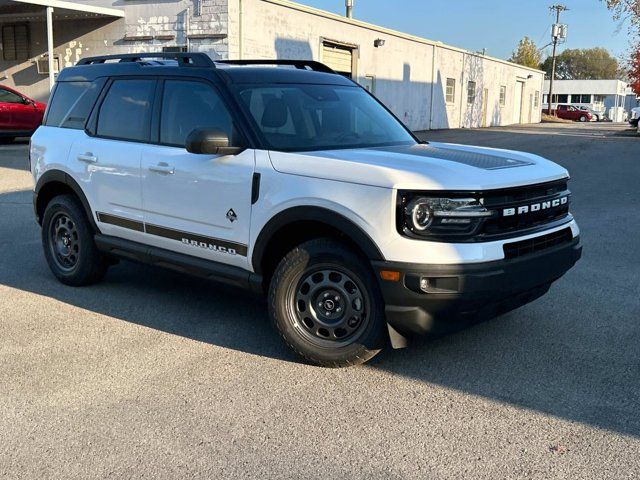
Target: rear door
(198,205)
(108,159)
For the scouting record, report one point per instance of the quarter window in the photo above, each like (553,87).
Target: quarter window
(71,104)
(126,111)
(503,95)
(188,105)
(451,90)
(471,92)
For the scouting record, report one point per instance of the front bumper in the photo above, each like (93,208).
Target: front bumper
(465,293)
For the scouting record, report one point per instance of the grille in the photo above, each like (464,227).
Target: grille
(537,244)
(515,197)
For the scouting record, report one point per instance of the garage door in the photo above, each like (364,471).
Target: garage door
(338,57)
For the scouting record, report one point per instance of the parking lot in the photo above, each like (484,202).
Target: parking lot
(153,374)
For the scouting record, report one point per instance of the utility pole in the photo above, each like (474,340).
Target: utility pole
(558,31)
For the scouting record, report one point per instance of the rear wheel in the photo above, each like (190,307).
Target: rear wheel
(325,302)
(67,239)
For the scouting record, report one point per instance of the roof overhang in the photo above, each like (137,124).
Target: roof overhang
(34,10)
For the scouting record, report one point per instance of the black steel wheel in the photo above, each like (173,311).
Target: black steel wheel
(67,240)
(325,302)
(64,242)
(329,306)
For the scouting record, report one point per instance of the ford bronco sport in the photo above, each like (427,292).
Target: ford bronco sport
(286,178)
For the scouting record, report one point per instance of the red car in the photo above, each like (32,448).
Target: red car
(19,114)
(569,112)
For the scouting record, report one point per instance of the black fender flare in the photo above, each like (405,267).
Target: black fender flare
(59,176)
(313,214)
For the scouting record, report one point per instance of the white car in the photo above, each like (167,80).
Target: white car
(298,183)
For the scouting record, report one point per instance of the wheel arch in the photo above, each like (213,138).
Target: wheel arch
(298,224)
(57,182)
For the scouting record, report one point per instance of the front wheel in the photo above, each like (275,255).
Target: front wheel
(583,118)
(325,302)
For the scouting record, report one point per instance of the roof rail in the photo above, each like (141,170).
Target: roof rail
(301,64)
(187,59)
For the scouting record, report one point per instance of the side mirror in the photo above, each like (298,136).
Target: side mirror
(210,141)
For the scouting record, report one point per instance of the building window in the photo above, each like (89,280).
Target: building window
(471,92)
(503,95)
(176,49)
(536,99)
(579,98)
(451,90)
(15,42)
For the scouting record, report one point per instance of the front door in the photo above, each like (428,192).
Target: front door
(11,110)
(517,117)
(195,204)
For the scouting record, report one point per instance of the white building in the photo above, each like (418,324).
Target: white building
(427,84)
(605,96)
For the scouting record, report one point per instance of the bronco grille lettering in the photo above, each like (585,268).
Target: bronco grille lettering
(535,207)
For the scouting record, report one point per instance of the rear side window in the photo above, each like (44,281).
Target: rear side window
(187,105)
(72,103)
(126,110)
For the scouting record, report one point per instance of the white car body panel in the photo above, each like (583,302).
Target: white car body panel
(382,168)
(196,199)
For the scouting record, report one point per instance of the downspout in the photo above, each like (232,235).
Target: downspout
(240,29)
(433,85)
(187,28)
(462,89)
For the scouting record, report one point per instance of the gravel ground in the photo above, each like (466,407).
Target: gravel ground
(151,374)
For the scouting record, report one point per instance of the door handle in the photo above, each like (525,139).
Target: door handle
(163,168)
(88,158)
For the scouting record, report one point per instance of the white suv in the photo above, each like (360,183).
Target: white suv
(284,177)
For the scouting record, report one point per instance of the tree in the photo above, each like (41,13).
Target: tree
(526,54)
(584,64)
(625,10)
(634,71)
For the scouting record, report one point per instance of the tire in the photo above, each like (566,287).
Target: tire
(325,302)
(67,240)
(583,118)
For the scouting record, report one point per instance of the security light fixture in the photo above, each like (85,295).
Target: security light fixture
(378,42)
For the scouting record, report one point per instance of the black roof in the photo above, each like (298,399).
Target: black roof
(199,64)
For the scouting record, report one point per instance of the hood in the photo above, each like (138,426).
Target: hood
(433,166)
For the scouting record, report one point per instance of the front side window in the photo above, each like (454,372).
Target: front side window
(126,110)
(471,92)
(320,117)
(503,95)
(187,105)
(71,103)
(7,96)
(451,90)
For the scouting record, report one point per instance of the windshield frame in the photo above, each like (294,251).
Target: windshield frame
(236,90)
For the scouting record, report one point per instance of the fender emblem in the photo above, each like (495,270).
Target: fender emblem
(231,215)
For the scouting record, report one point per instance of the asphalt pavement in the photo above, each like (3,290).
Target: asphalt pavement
(152,374)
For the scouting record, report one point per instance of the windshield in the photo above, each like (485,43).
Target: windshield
(320,117)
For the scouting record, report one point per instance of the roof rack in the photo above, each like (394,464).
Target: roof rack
(301,64)
(186,59)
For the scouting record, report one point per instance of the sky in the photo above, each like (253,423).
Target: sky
(496,25)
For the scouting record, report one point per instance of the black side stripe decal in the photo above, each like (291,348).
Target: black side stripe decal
(192,239)
(120,222)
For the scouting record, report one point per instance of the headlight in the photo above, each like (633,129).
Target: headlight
(433,216)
